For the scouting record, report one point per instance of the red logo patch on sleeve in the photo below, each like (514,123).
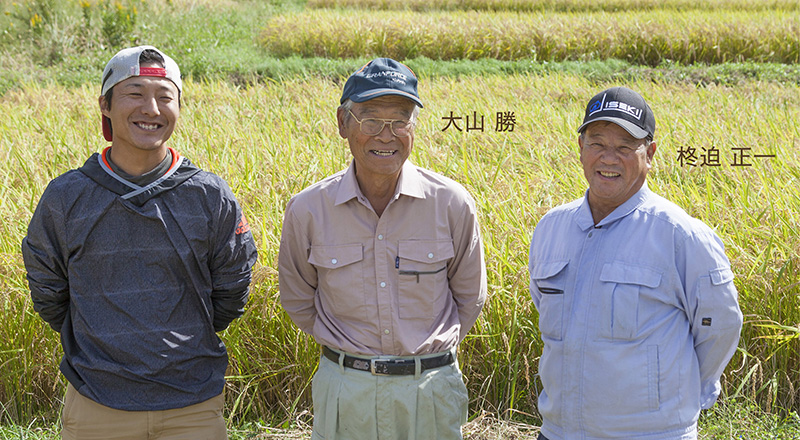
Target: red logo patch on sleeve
(243,226)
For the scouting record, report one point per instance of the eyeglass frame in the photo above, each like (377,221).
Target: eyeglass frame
(410,124)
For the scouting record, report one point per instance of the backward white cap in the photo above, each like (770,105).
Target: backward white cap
(125,64)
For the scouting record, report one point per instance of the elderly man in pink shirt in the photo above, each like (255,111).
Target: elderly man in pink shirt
(382,263)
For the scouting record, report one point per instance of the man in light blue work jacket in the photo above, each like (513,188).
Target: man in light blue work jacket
(637,307)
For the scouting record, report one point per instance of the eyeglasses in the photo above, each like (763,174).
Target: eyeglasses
(373,126)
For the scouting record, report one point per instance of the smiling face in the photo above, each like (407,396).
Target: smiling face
(615,165)
(378,157)
(143,113)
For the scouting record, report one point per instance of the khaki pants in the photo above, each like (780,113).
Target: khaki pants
(355,405)
(85,419)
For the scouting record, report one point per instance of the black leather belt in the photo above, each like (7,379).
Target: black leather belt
(387,367)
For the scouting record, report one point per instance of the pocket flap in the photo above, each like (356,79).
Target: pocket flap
(623,273)
(331,257)
(426,251)
(548,269)
(721,276)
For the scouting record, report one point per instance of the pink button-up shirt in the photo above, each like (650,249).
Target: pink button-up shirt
(410,282)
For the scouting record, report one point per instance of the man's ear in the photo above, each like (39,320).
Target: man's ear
(105,108)
(651,151)
(341,117)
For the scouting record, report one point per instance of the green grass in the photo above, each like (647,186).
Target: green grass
(648,37)
(69,47)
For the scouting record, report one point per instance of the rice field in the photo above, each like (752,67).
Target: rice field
(271,140)
(558,5)
(640,37)
(263,82)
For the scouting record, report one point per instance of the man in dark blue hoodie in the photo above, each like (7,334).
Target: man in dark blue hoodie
(137,259)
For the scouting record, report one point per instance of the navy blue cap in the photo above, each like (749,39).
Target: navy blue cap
(381,77)
(623,107)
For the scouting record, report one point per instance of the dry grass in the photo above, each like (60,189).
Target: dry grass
(191,4)
(271,140)
(649,37)
(557,5)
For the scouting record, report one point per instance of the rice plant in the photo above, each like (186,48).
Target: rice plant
(556,5)
(641,37)
(271,140)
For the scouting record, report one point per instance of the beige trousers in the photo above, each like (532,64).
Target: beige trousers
(85,419)
(355,405)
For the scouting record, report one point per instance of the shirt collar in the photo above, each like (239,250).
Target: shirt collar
(584,218)
(409,184)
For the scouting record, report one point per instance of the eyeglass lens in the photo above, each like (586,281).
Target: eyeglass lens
(372,127)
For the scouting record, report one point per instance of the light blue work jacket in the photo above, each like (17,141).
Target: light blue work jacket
(639,317)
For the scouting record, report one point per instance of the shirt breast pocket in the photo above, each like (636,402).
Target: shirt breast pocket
(340,278)
(422,277)
(550,279)
(619,299)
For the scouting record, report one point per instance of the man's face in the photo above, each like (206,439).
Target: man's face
(382,155)
(615,165)
(143,112)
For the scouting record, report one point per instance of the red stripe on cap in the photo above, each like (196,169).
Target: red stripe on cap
(363,67)
(152,71)
(409,69)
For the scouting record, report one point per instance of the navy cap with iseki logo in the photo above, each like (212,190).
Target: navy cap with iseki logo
(381,77)
(125,64)
(623,107)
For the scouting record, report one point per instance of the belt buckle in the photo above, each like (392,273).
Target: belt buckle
(372,368)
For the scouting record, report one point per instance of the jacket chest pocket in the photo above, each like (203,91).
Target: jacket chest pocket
(423,286)
(340,278)
(550,281)
(622,284)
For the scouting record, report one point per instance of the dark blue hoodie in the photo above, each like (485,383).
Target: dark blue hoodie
(138,280)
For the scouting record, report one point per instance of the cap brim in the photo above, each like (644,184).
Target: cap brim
(376,93)
(633,130)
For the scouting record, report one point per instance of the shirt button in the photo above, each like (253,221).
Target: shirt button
(430,255)
(590,235)
(383,284)
(380,237)
(386,331)
(334,261)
